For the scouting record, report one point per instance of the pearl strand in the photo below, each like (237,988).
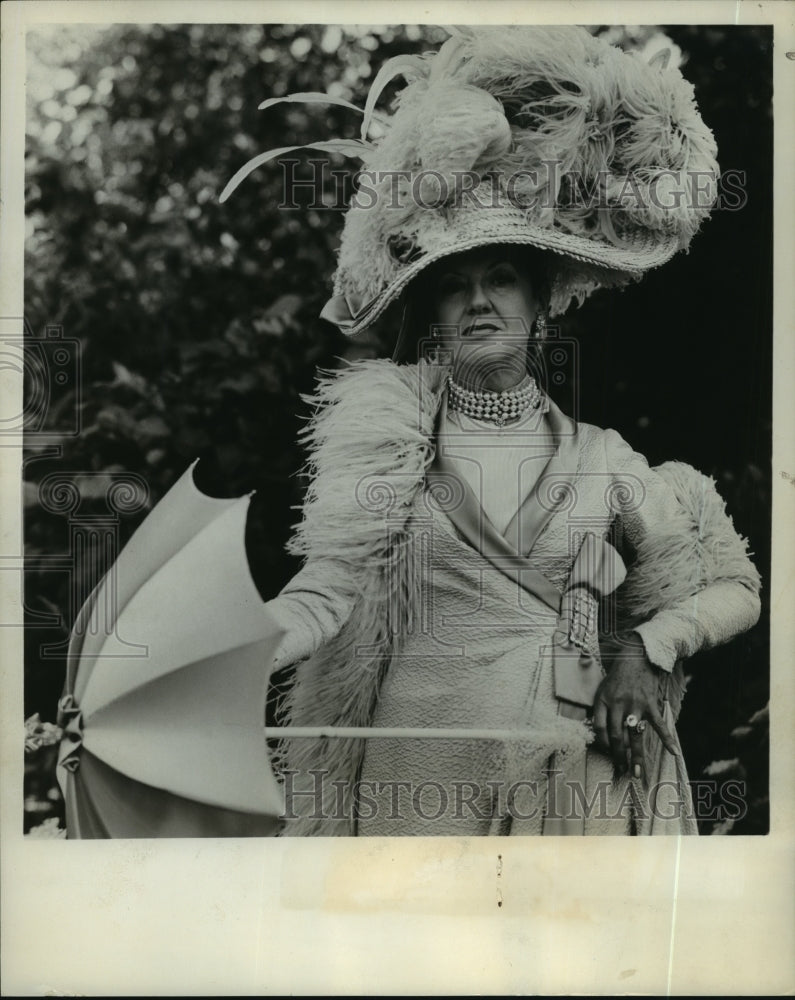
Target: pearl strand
(497,407)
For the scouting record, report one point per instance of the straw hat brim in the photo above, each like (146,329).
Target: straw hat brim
(619,262)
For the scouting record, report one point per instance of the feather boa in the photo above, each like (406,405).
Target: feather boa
(371,436)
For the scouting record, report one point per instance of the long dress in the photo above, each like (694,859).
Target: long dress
(476,663)
(478,653)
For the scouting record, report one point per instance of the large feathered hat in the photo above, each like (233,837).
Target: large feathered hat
(543,136)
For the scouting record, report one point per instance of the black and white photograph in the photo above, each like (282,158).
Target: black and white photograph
(394,439)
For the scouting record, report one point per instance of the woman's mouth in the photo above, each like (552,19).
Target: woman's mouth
(479,329)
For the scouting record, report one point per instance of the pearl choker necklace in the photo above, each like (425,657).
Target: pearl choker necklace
(497,407)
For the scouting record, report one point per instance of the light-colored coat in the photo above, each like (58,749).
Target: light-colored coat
(372,447)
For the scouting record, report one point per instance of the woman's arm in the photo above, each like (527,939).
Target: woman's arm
(691,587)
(312,608)
(367,443)
(709,618)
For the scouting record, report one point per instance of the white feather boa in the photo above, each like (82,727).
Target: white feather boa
(370,440)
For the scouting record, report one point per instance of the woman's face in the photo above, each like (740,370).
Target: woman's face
(484,309)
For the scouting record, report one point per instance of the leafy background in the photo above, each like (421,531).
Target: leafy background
(198,330)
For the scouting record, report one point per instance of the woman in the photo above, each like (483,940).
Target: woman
(463,538)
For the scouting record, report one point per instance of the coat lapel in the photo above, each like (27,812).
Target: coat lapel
(471,521)
(552,490)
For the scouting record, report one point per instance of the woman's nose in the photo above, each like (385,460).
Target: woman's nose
(478,300)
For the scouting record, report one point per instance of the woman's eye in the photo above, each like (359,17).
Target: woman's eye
(502,278)
(450,284)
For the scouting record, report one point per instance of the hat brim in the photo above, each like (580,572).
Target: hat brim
(618,263)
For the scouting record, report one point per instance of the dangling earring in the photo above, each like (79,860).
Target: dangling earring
(541,325)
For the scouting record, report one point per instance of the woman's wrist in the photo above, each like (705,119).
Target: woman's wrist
(659,647)
(627,644)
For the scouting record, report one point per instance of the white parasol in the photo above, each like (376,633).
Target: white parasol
(164,705)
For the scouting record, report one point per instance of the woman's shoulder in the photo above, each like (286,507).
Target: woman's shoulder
(622,458)
(613,443)
(602,447)
(368,395)
(607,448)
(695,494)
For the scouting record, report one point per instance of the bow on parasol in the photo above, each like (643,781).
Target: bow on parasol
(164,706)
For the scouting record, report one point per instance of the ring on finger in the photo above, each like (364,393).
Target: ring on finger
(635,725)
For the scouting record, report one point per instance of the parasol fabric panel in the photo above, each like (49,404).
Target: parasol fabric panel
(198,732)
(104,804)
(182,513)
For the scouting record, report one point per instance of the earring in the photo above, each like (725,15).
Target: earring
(541,325)
(432,349)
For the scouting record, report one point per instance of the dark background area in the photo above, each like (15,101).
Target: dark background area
(197,323)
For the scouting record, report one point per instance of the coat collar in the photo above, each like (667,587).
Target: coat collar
(510,552)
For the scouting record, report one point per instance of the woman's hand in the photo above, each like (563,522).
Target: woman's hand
(631,688)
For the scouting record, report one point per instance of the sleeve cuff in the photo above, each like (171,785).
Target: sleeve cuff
(299,639)
(660,649)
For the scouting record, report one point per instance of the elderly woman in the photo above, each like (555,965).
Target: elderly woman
(496,600)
